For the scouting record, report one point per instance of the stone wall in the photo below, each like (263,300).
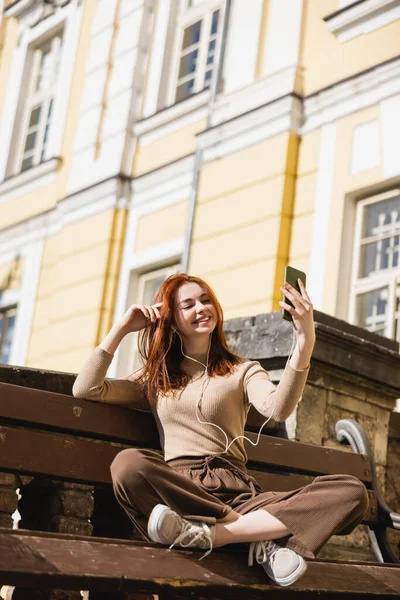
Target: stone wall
(354,374)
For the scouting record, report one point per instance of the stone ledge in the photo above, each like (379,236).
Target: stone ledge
(268,338)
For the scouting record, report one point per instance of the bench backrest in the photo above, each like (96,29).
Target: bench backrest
(63,437)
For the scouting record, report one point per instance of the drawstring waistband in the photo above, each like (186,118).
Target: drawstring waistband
(208,476)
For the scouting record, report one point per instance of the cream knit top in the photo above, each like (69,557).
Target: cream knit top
(226,402)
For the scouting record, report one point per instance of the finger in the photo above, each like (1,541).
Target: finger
(153,316)
(296,300)
(145,311)
(294,296)
(154,307)
(303,290)
(287,307)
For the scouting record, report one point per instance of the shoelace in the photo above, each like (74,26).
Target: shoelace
(263,551)
(194,533)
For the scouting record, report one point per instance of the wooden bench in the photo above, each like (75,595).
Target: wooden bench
(58,437)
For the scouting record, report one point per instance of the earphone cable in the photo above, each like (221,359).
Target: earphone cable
(205,384)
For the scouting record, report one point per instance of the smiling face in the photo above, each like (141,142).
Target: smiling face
(194,313)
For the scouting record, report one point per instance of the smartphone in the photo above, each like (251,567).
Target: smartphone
(291,276)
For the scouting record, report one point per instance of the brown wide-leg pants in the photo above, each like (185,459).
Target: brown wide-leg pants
(209,488)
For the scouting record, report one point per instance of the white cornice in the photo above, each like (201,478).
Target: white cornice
(362,17)
(353,95)
(172,116)
(17,9)
(79,206)
(20,184)
(31,12)
(146,186)
(283,114)
(254,95)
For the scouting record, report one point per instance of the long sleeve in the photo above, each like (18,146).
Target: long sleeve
(92,385)
(263,394)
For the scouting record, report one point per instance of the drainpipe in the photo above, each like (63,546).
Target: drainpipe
(215,86)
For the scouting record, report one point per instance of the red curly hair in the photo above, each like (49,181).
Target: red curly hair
(160,346)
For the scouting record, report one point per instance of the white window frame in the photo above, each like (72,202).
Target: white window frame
(388,278)
(187,16)
(140,279)
(34,99)
(67,18)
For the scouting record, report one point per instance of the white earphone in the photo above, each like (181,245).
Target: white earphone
(206,382)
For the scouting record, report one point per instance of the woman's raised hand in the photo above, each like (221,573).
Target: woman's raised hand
(139,316)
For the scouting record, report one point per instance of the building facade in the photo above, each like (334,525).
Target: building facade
(224,138)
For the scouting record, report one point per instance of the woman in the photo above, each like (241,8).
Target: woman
(199,493)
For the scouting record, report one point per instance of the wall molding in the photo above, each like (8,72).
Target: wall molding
(24,182)
(361,18)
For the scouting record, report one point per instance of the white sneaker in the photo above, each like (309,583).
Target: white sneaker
(165,526)
(282,565)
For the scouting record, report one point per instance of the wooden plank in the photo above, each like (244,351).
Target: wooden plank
(66,562)
(66,413)
(58,412)
(83,460)
(306,458)
(56,455)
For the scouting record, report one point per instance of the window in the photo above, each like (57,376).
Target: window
(7,323)
(376,284)
(200,26)
(39,106)
(148,286)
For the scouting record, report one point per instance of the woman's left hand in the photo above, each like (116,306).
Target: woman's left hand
(302,314)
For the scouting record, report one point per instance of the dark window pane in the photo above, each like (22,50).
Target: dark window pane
(188,64)
(46,133)
(372,307)
(35,116)
(211,52)
(8,331)
(30,141)
(191,35)
(381,214)
(184,90)
(50,109)
(214,23)
(27,163)
(207,77)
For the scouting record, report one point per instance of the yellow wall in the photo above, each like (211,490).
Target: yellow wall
(76,292)
(326,60)
(304,202)
(242,224)
(168,148)
(162,225)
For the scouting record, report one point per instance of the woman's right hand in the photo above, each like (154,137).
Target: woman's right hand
(139,316)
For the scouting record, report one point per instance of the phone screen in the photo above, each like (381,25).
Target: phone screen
(291,276)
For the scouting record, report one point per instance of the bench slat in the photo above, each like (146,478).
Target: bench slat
(62,561)
(119,424)
(306,458)
(66,413)
(88,461)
